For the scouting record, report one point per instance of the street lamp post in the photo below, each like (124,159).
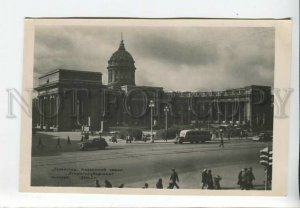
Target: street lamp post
(166,109)
(151,105)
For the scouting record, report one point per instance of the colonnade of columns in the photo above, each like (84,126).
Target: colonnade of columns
(47,109)
(230,111)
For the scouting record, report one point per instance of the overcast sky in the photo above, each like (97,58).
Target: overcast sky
(179,59)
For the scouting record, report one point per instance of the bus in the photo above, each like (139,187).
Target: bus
(193,136)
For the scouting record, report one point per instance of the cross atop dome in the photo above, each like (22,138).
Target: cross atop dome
(122,46)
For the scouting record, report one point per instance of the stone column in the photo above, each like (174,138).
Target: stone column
(50,110)
(240,108)
(210,111)
(57,109)
(225,110)
(232,111)
(43,110)
(218,111)
(245,111)
(40,111)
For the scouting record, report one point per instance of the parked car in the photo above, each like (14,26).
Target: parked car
(98,143)
(264,136)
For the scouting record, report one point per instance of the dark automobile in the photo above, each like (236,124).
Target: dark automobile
(264,136)
(93,144)
(193,136)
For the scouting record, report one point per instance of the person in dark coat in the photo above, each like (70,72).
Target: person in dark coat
(174,178)
(222,139)
(244,179)
(251,178)
(217,180)
(240,178)
(159,184)
(146,186)
(144,138)
(204,179)
(86,136)
(210,183)
(127,138)
(97,183)
(107,184)
(69,140)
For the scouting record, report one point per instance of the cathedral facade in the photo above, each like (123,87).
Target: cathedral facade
(69,99)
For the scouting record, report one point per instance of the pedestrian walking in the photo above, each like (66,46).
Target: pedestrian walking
(58,143)
(174,178)
(40,143)
(222,139)
(97,183)
(86,136)
(69,140)
(217,180)
(107,184)
(240,179)
(210,183)
(204,179)
(159,184)
(146,186)
(241,134)
(244,179)
(144,138)
(127,138)
(249,179)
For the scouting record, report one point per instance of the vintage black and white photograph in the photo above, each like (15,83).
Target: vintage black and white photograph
(164,105)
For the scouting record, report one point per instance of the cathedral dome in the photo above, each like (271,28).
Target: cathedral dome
(121,57)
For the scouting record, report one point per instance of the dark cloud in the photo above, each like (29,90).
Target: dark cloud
(165,49)
(170,57)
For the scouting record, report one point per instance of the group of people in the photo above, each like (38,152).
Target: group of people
(245,179)
(174,179)
(210,182)
(129,138)
(107,184)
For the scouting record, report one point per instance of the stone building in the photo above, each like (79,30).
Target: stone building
(69,99)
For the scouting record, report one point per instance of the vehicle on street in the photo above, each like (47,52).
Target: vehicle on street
(193,136)
(98,143)
(265,136)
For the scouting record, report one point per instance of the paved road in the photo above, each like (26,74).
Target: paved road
(139,163)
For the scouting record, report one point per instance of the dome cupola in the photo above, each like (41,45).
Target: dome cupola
(121,57)
(121,69)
